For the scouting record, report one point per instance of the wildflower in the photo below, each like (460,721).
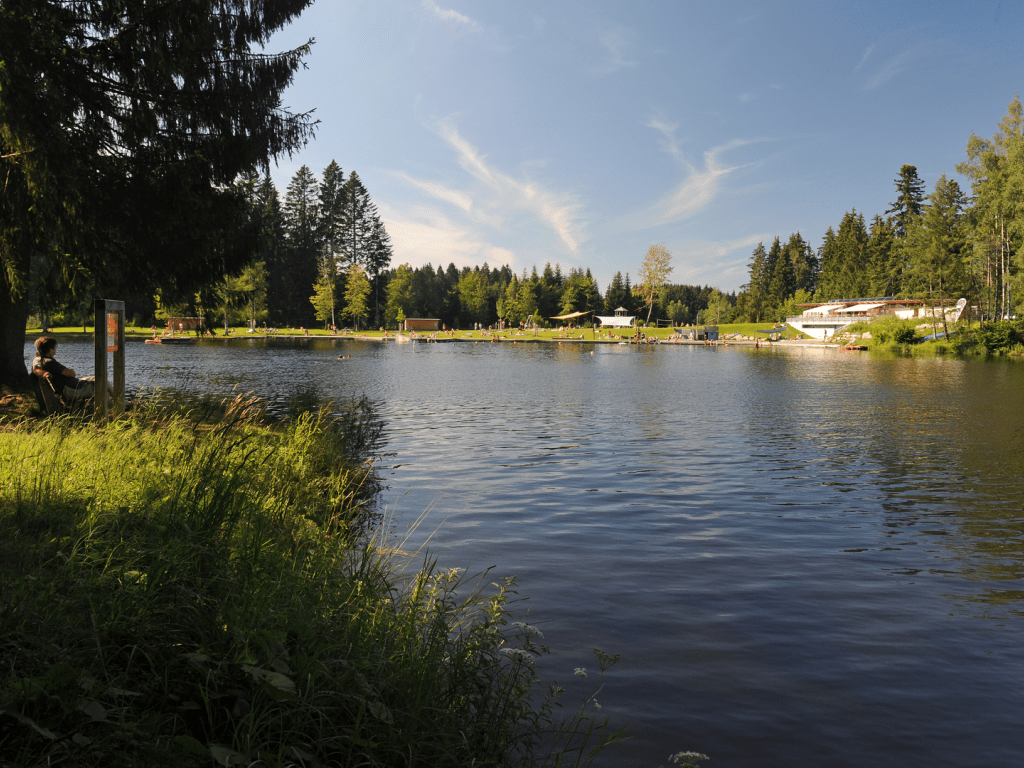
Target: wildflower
(526,629)
(518,654)
(686,758)
(597,706)
(580,672)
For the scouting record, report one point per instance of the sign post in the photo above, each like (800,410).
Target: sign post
(109,332)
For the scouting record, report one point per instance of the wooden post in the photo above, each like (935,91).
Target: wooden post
(109,337)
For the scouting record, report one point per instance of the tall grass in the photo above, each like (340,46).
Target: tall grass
(176,591)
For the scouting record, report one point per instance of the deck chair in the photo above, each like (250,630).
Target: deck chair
(47,397)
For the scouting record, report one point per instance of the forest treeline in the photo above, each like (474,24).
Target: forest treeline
(937,247)
(324,257)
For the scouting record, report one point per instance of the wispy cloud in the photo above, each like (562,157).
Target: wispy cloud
(448,14)
(440,191)
(700,186)
(617,41)
(560,212)
(867,54)
(894,65)
(422,234)
(668,135)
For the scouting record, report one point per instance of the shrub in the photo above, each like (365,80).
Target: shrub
(892,330)
(997,336)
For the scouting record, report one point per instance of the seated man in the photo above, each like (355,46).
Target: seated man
(64,382)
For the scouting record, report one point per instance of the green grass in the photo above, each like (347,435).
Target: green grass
(890,334)
(179,591)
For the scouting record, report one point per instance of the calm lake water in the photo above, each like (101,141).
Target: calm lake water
(804,558)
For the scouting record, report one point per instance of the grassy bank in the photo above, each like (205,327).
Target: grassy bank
(184,591)
(986,339)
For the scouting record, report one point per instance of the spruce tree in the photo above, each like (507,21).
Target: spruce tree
(771,265)
(301,223)
(757,288)
(378,258)
(122,129)
(783,283)
(617,295)
(884,258)
(830,265)
(330,204)
(357,222)
(909,203)
(273,249)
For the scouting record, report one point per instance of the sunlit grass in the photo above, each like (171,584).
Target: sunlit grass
(175,589)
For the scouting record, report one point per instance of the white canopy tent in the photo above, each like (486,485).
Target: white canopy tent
(619,321)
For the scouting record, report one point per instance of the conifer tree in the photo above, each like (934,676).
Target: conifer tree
(301,223)
(272,249)
(938,267)
(757,288)
(617,295)
(122,129)
(378,258)
(357,222)
(804,261)
(996,169)
(884,258)
(330,206)
(771,265)
(910,197)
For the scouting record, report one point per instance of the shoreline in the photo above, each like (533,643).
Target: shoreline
(474,339)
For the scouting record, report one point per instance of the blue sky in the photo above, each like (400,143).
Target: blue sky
(580,133)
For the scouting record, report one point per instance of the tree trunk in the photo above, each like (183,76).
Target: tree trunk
(931,300)
(942,305)
(13,317)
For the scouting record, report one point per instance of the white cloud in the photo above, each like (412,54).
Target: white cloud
(867,53)
(560,212)
(422,234)
(440,191)
(448,14)
(699,188)
(617,40)
(895,65)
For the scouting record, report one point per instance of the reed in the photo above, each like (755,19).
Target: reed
(180,587)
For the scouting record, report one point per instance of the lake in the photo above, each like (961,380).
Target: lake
(803,557)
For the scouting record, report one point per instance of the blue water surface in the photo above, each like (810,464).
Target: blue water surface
(804,558)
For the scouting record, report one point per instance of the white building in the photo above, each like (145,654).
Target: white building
(826,319)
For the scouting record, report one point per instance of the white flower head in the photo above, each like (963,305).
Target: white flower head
(527,629)
(686,758)
(580,672)
(597,706)
(518,654)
